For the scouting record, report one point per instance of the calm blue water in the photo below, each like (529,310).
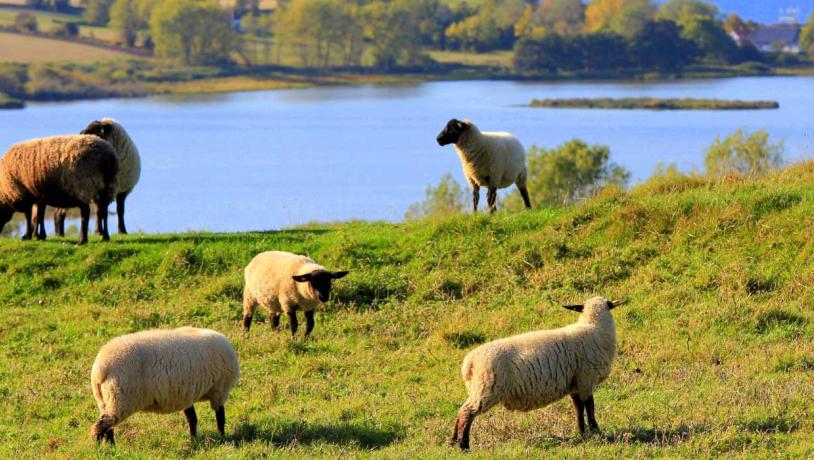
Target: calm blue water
(266,160)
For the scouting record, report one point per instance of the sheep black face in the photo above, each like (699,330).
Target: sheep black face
(320,281)
(452,132)
(99,129)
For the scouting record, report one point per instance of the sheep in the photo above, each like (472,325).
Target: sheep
(286,282)
(162,371)
(61,171)
(489,159)
(532,370)
(129,167)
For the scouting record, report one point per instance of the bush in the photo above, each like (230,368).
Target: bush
(448,197)
(13,78)
(568,174)
(25,22)
(744,153)
(66,29)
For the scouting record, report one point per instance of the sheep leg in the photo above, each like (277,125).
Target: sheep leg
(491,198)
(101,222)
(29,228)
(120,212)
(309,322)
(192,419)
(475,197)
(579,407)
(59,221)
(275,321)
(463,424)
(292,322)
(589,407)
(40,222)
(220,416)
(524,192)
(249,305)
(109,437)
(84,211)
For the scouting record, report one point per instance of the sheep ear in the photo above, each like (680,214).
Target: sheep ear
(615,303)
(576,308)
(337,275)
(302,278)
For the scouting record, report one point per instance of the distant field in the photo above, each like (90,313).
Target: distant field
(47,21)
(22,48)
(493,59)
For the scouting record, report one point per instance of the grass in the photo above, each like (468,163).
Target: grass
(716,343)
(500,59)
(647,103)
(31,49)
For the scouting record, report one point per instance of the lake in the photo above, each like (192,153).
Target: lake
(271,159)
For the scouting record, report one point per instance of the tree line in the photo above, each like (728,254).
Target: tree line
(546,35)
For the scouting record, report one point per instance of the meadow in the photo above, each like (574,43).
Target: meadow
(28,49)
(716,356)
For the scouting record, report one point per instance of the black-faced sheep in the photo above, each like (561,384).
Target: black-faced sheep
(489,159)
(533,370)
(162,371)
(286,282)
(60,171)
(129,167)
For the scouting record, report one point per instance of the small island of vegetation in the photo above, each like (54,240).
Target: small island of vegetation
(647,103)
(10,103)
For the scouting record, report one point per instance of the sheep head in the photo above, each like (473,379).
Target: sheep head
(101,129)
(320,281)
(597,303)
(452,131)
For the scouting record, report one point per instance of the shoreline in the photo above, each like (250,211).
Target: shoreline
(292,78)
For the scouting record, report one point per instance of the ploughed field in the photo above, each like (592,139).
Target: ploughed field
(716,342)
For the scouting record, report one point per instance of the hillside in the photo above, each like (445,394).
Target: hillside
(716,348)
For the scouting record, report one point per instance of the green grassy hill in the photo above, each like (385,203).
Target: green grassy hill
(716,350)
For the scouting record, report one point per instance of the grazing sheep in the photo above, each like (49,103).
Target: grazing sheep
(533,370)
(489,159)
(60,171)
(285,282)
(129,167)
(162,371)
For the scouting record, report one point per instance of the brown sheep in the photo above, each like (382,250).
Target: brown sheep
(61,171)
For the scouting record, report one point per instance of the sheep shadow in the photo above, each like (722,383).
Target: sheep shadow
(634,435)
(306,433)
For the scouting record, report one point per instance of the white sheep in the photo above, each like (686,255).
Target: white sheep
(286,282)
(533,370)
(129,167)
(489,159)
(162,371)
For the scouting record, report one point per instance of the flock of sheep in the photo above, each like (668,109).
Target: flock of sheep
(168,371)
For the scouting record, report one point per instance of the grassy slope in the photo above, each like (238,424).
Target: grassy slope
(716,350)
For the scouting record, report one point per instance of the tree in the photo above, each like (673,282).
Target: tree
(680,11)
(569,173)
(393,32)
(744,153)
(807,36)
(710,39)
(448,197)
(565,17)
(97,11)
(659,45)
(125,20)
(25,22)
(193,31)
(603,51)
(547,53)
(632,17)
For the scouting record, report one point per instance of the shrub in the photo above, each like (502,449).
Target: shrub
(744,153)
(25,22)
